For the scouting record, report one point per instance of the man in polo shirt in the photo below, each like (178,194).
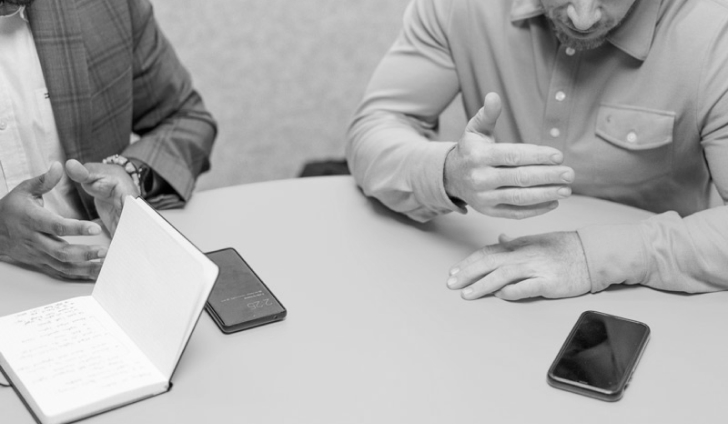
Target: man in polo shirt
(625,100)
(79,81)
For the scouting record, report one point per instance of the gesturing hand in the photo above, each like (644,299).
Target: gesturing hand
(550,265)
(30,234)
(510,180)
(108,184)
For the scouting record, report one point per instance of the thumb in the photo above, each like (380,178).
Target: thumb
(44,183)
(77,172)
(483,123)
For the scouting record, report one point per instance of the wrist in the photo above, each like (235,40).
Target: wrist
(140,174)
(147,180)
(449,177)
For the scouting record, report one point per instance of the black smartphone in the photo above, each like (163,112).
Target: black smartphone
(240,300)
(599,356)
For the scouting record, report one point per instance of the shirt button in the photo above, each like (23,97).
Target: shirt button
(3,126)
(632,137)
(555,132)
(570,51)
(560,96)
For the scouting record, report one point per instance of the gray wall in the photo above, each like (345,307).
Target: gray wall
(282,77)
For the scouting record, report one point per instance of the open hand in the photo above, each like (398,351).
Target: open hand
(108,184)
(550,265)
(510,180)
(31,234)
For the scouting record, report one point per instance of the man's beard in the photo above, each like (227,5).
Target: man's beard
(577,43)
(583,44)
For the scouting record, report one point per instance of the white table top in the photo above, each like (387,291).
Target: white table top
(374,336)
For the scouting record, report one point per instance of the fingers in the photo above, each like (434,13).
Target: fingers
(66,253)
(490,275)
(70,261)
(499,278)
(482,262)
(531,287)
(527,176)
(521,192)
(489,270)
(478,256)
(43,183)
(483,123)
(44,221)
(524,196)
(521,154)
(60,259)
(105,182)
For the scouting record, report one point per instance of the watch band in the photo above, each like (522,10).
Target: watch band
(138,173)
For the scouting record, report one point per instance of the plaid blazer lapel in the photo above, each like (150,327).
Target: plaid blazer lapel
(57,33)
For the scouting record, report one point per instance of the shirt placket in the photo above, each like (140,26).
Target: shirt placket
(13,160)
(561,92)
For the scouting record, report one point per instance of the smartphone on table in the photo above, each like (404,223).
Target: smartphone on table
(240,300)
(599,356)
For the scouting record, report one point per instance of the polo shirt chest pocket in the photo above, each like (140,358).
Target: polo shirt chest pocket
(639,143)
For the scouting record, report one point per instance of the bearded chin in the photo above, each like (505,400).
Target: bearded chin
(578,44)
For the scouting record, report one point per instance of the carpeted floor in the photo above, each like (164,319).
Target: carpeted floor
(282,77)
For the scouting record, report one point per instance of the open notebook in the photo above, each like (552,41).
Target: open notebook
(86,355)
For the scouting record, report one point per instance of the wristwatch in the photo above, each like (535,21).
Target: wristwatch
(139,172)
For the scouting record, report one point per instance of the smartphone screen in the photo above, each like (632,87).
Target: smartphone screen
(599,356)
(239,299)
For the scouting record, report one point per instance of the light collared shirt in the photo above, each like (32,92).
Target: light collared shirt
(29,140)
(642,119)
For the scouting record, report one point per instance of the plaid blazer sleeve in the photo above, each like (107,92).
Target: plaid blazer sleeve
(176,130)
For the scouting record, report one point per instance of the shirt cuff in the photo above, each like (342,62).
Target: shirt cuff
(615,254)
(429,184)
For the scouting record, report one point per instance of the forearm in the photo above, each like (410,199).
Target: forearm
(389,149)
(395,163)
(664,252)
(176,130)
(178,148)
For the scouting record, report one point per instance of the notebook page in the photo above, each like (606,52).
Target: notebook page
(154,283)
(69,359)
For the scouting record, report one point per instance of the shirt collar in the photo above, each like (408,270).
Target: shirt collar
(633,37)
(20,12)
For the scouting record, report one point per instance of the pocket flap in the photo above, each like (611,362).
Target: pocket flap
(634,128)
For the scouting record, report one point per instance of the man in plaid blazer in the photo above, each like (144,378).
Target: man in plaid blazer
(127,122)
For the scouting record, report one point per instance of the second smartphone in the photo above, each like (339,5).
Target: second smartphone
(239,299)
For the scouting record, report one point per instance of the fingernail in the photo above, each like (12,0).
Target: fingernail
(451,281)
(557,157)
(567,176)
(467,291)
(553,205)
(564,191)
(94,230)
(454,271)
(102,253)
